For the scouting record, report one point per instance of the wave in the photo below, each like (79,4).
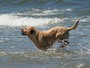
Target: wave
(85,18)
(33,2)
(26,1)
(38,12)
(13,20)
(13,6)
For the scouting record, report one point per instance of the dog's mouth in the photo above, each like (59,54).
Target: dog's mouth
(22,33)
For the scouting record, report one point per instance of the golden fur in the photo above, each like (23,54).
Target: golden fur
(45,39)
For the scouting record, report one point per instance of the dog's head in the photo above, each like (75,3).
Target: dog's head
(28,31)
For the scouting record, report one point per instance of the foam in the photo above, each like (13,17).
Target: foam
(14,20)
(44,12)
(85,19)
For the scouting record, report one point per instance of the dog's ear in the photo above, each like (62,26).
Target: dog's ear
(32,31)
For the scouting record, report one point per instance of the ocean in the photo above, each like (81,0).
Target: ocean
(17,51)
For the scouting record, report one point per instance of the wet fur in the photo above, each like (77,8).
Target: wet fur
(45,39)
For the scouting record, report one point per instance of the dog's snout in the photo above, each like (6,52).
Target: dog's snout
(22,32)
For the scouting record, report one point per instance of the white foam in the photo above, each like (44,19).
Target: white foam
(68,9)
(13,20)
(38,12)
(85,19)
(50,12)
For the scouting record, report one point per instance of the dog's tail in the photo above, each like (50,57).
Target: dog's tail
(74,26)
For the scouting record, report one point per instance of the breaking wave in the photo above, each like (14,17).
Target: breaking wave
(12,20)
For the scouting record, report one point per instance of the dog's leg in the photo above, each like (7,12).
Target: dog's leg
(65,43)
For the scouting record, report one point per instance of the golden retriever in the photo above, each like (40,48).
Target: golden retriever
(45,39)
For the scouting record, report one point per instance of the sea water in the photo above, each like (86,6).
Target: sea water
(17,51)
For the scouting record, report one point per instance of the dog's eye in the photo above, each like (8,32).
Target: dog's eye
(32,31)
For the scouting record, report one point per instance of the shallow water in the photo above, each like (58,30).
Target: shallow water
(17,51)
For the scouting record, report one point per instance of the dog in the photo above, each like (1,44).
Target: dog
(45,39)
